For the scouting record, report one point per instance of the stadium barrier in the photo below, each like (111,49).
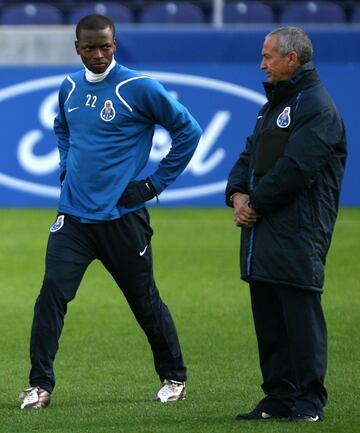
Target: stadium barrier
(215,73)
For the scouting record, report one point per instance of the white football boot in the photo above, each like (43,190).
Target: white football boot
(171,390)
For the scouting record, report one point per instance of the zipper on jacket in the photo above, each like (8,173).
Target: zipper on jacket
(249,257)
(298,98)
(252,230)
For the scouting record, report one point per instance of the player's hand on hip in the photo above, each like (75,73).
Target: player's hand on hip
(137,192)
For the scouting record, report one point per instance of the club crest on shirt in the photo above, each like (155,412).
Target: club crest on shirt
(108,111)
(284,119)
(57,224)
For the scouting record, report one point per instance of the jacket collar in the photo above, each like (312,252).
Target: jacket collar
(304,76)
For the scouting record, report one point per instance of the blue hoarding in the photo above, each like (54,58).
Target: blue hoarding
(224,98)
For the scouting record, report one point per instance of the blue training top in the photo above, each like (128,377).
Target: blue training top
(105,131)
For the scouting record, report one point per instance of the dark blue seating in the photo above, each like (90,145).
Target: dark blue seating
(31,13)
(247,12)
(313,12)
(355,16)
(172,12)
(117,13)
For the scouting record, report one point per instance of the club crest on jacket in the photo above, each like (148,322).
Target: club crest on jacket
(108,111)
(284,119)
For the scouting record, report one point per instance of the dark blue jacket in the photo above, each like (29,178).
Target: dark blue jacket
(298,195)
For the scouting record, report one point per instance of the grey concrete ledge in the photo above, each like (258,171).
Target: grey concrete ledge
(37,45)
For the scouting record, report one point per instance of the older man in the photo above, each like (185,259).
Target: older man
(284,189)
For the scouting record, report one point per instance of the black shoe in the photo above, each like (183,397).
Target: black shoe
(255,414)
(304,418)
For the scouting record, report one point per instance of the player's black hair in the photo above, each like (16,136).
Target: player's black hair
(94,22)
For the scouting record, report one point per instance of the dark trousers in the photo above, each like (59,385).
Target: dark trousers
(123,246)
(292,340)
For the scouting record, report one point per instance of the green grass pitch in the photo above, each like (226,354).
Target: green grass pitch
(105,375)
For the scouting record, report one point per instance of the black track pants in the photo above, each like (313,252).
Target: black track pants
(124,247)
(292,340)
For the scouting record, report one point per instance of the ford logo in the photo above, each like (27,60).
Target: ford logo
(30,162)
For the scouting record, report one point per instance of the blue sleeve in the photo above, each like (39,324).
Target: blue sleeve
(61,129)
(184,130)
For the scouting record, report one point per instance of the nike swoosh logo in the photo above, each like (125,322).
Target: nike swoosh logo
(72,109)
(141,253)
(259,117)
